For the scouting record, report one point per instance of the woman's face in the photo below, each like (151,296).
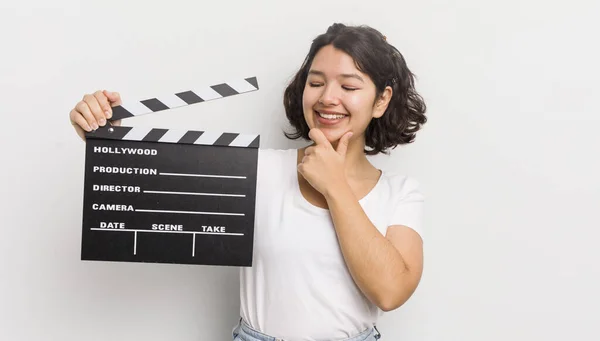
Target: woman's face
(338,97)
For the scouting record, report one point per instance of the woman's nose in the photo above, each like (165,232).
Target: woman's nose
(329,96)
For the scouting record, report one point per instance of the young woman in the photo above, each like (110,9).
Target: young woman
(337,241)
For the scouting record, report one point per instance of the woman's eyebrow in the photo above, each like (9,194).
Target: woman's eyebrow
(343,75)
(352,75)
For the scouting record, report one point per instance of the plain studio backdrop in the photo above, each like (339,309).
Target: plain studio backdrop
(509,159)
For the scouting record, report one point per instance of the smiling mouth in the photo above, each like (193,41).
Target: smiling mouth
(330,116)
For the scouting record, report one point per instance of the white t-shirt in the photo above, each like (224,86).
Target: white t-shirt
(299,287)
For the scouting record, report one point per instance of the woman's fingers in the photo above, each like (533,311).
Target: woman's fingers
(79,123)
(93,111)
(96,110)
(113,97)
(104,103)
(84,110)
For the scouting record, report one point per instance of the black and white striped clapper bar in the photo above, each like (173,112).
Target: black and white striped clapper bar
(169,196)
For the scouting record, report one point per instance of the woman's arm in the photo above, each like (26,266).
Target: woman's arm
(386,269)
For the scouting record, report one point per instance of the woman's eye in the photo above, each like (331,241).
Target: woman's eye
(314,85)
(349,88)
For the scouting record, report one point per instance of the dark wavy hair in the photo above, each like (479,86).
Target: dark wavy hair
(385,65)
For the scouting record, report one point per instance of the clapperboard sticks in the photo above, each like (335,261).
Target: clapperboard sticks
(207,138)
(171,101)
(169,140)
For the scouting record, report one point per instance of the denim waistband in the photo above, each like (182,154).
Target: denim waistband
(247,333)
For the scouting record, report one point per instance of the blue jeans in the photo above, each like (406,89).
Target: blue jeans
(243,332)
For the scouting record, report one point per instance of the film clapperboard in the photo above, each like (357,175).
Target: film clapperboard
(169,196)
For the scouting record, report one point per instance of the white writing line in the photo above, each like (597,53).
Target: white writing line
(198,193)
(159,231)
(135,243)
(206,175)
(190,212)
(194,245)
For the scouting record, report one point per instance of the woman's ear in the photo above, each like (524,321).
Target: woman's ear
(382,102)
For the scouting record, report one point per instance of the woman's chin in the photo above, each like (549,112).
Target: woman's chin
(330,135)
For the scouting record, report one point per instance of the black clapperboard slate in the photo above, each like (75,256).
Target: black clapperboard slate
(170,196)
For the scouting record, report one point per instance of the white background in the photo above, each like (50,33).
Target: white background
(509,160)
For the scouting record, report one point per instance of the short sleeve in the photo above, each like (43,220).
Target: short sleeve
(408,206)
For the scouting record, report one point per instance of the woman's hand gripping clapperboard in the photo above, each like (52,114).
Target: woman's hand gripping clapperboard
(169,196)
